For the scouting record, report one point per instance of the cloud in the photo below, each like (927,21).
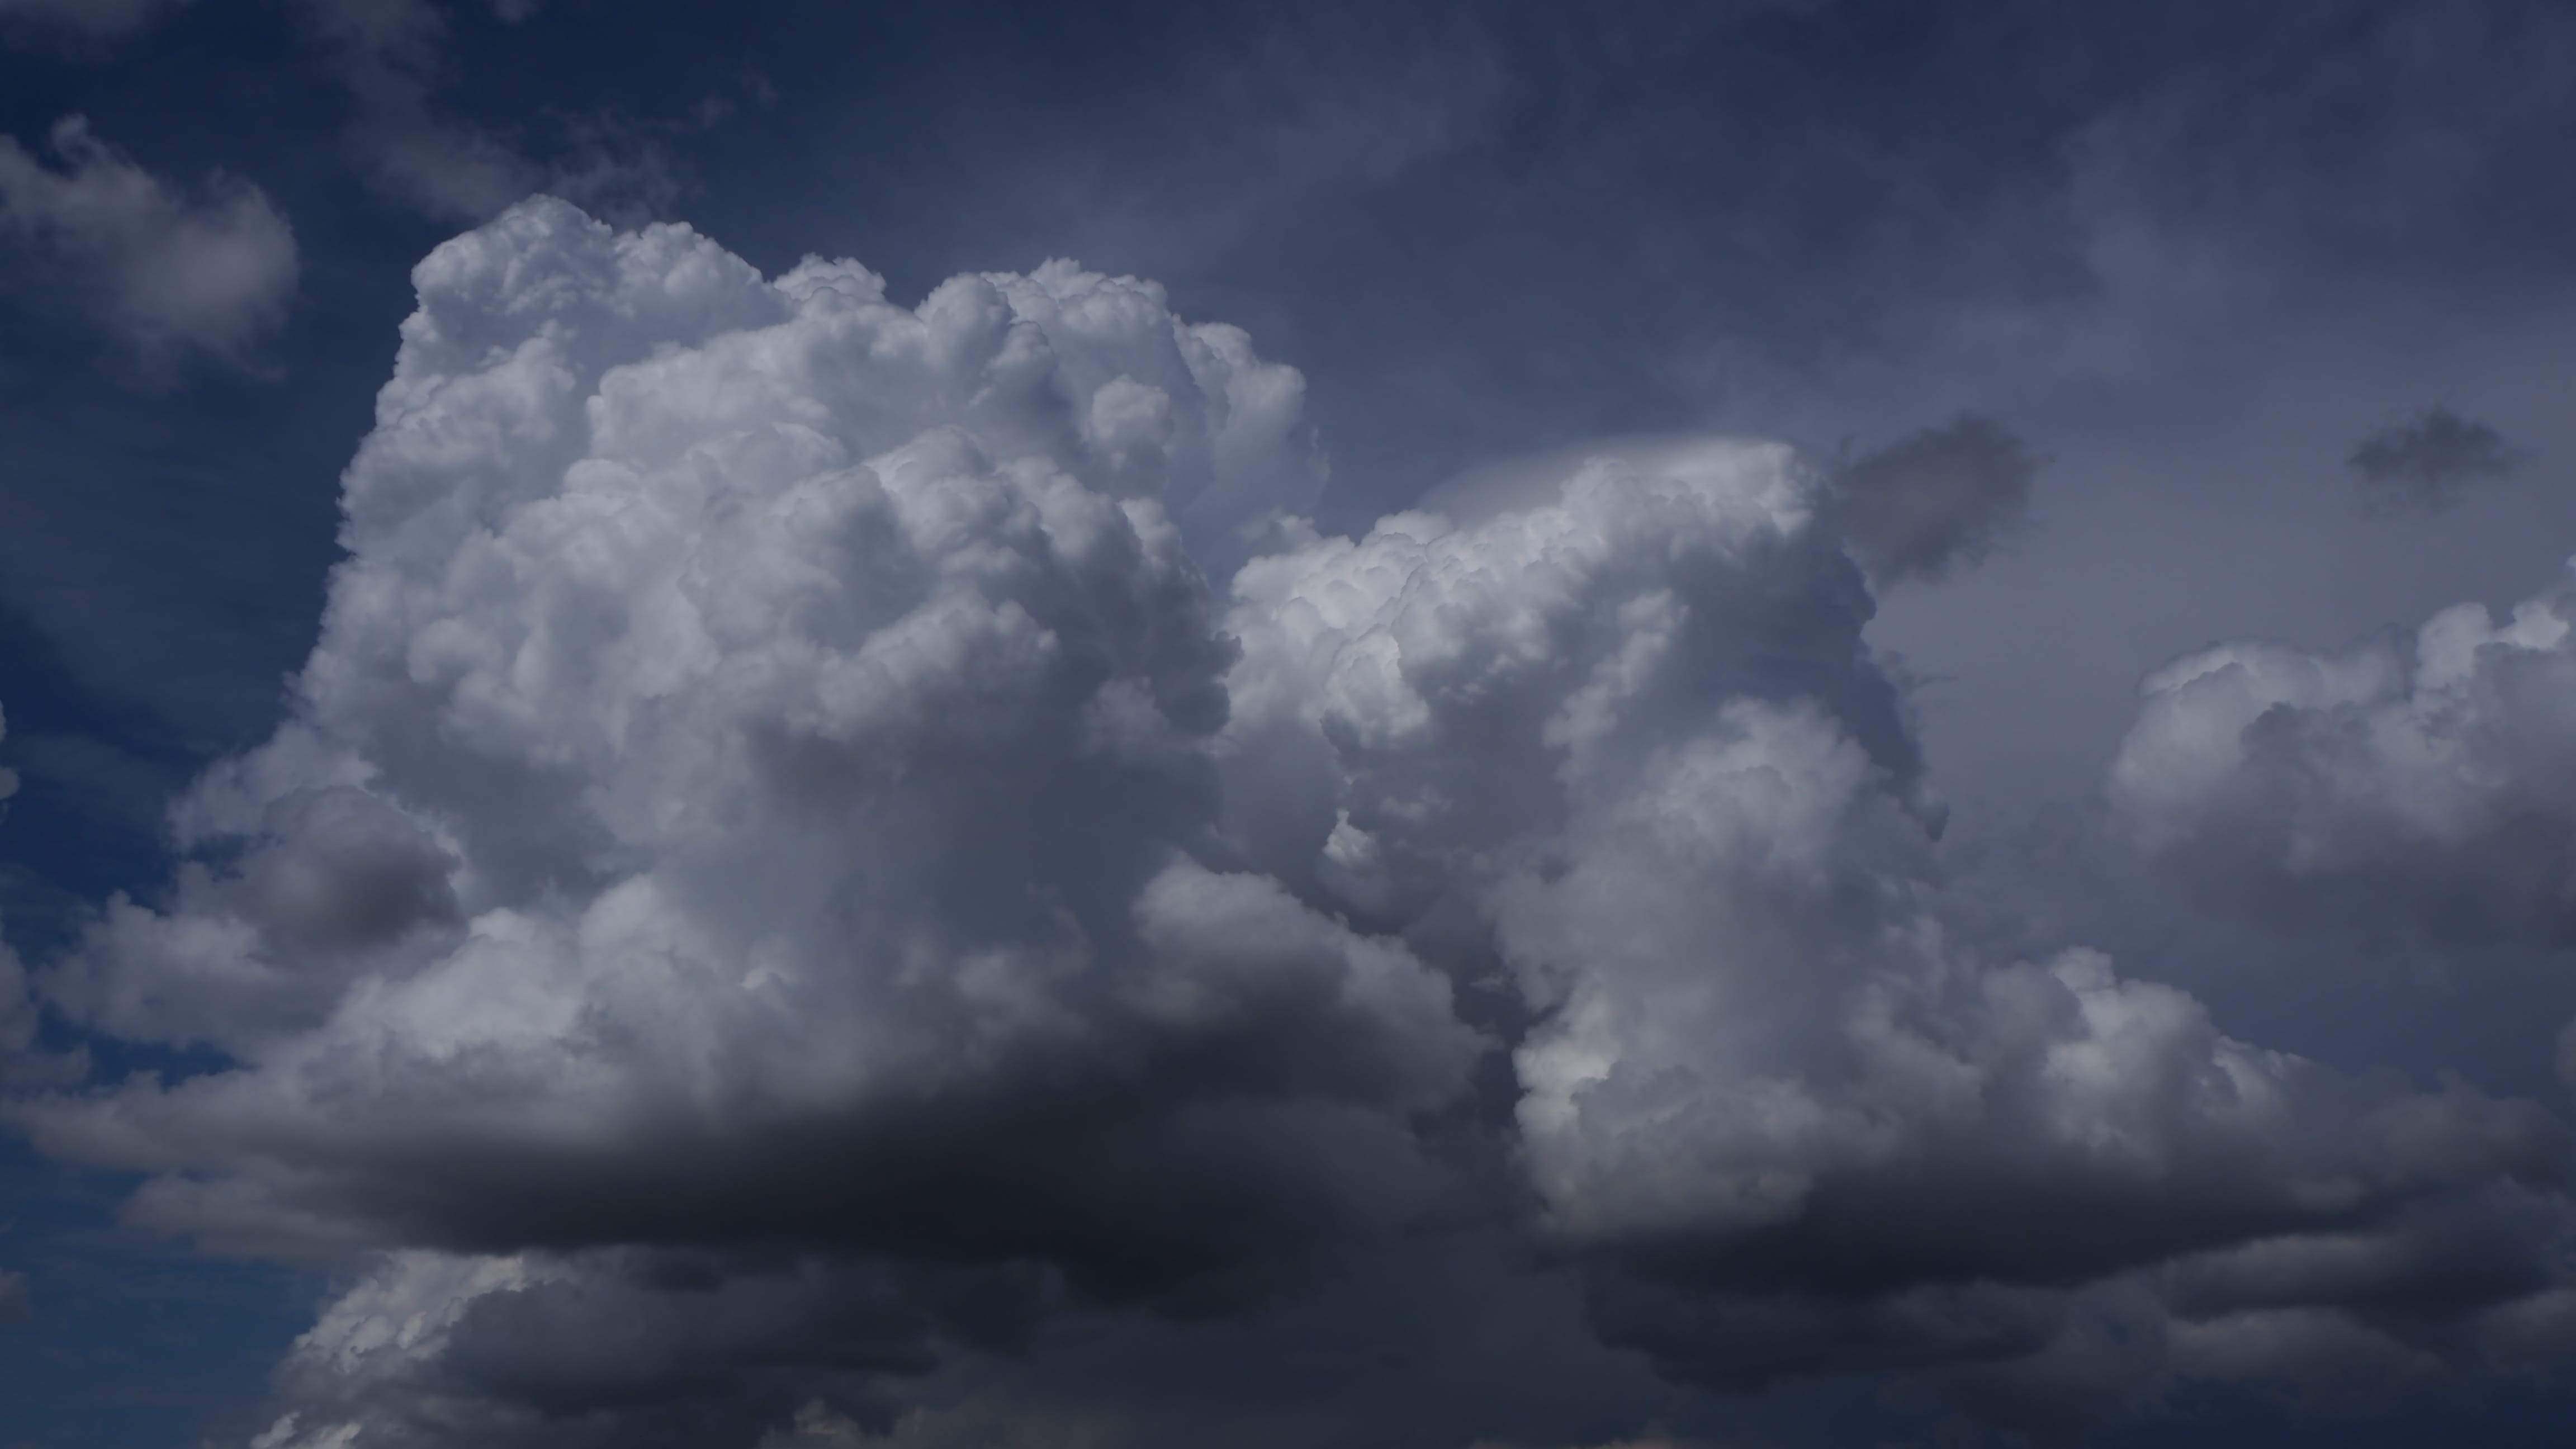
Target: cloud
(1937,497)
(168,274)
(386,53)
(625,1347)
(819,836)
(389,56)
(1631,746)
(768,727)
(2430,460)
(2418,792)
(14,1307)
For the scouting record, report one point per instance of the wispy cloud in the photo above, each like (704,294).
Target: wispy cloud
(1937,497)
(390,56)
(167,273)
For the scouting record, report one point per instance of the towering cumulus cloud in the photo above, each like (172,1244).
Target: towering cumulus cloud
(1630,748)
(783,868)
(752,795)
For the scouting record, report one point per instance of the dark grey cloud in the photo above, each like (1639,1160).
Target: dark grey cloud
(1938,497)
(2431,460)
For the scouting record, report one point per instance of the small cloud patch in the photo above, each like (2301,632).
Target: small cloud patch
(2431,460)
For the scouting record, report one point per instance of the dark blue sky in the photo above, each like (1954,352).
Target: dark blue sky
(2187,257)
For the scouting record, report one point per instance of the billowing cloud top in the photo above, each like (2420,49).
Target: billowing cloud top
(782,862)
(767,705)
(2418,790)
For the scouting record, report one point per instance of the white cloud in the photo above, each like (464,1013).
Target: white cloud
(763,714)
(167,273)
(2417,791)
(1629,741)
(782,864)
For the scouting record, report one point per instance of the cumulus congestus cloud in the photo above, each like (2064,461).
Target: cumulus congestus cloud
(752,790)
(1635,738)
(818,833)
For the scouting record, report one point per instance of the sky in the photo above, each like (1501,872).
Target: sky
(1416,726)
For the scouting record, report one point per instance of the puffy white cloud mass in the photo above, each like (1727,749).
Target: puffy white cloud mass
(783,865)
(166,273)
(1634,738)
(2418,790)
(752,784)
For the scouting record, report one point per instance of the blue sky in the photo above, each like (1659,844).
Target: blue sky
(1946,547)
